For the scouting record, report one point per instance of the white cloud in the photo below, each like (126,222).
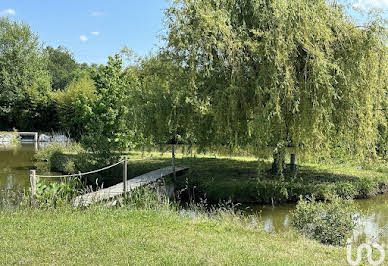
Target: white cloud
(8,12)
(83,38)
(365,4)
(97,14)
(95,33)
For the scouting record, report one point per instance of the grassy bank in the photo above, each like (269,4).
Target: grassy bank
(102,236)
(240,180)
(244,179)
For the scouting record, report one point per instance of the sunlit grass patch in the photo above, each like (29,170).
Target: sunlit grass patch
(129,236)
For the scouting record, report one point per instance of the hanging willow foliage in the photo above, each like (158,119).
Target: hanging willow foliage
(276,73)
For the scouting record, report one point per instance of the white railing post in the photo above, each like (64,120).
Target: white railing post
(33,182)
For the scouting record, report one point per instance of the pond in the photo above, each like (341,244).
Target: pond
(16,162)
(373,223)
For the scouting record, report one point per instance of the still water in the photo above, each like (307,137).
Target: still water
(373,224)
(16,162)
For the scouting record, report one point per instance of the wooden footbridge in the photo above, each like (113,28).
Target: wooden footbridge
(120,189)
(117,190)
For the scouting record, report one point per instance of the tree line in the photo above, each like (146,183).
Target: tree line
(34,79)
(236,73)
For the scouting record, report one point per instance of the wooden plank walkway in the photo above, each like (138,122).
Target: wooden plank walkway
(117,190)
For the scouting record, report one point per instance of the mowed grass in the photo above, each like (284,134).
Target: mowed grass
(107,236)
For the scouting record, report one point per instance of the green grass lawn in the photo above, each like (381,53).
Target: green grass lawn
(105,236)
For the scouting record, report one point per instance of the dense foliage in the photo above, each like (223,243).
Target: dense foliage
(62,67)
(107,127)
(283,74)
(259,74)
(73,106)
(30,75)
(166,94)
(24,79)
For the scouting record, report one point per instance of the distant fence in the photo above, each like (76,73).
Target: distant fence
(28,136)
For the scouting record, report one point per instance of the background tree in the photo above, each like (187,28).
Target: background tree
(62,67)
(23,75)
(73,105)
(108,131)
(164,94)
(168,111)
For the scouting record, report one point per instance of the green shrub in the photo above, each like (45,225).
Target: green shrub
(367,187)
(271,191)
(69,166)
(73,104)
(328,222)
(47,152)
(64,158)
(346,190)
(53,194)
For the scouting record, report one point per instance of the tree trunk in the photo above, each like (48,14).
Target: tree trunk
(293,164)
(173,160)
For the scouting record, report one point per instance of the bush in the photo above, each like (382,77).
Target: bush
(73,105)
(346,190)
(328,222)
(46,154)
(64,158)
(53,194)
(367,187)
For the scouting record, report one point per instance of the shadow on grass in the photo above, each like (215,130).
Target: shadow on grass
(246,180)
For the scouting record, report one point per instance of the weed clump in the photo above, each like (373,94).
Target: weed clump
(328,222)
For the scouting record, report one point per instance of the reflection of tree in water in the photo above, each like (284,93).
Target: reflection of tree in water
(15,163)
(9,184)
(374,224)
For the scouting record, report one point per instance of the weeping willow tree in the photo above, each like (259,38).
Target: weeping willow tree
(276,73)
(164,102)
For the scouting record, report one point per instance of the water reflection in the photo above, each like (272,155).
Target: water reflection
(374,224)
(15,163)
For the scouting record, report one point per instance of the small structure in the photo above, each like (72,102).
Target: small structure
(28,136)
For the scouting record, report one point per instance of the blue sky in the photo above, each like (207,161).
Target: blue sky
(95,29)
(92,29)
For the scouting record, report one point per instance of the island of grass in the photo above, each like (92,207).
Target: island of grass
(241,179)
